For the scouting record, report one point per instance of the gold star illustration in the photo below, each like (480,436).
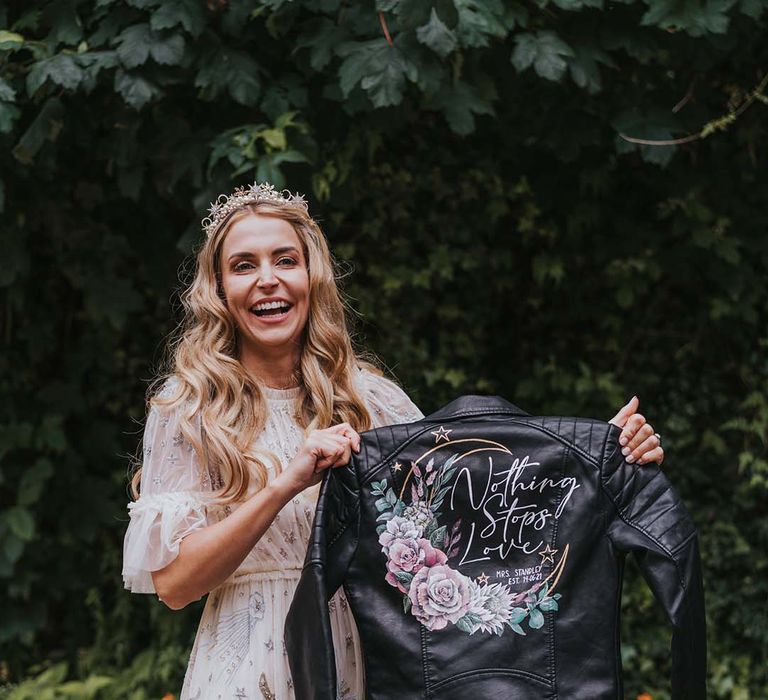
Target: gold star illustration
(441,434)
(483,579)
(548,555)
(397,467)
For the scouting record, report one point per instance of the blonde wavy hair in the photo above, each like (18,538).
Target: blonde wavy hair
(220,406)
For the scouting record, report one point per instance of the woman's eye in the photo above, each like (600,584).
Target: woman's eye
(242,266)
(289,261)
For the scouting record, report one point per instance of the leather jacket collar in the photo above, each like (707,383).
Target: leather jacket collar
(473,405)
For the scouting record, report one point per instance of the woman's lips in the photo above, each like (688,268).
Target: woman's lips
(273,318)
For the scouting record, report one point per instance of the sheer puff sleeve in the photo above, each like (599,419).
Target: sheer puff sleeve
(386,401)
(172,501)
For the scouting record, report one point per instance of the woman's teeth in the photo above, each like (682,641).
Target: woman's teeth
(271,308)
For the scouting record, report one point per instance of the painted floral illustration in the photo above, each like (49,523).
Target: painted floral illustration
(418,549)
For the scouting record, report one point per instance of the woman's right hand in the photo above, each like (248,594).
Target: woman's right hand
(329,447)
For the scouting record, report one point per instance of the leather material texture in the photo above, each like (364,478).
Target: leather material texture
(482,552)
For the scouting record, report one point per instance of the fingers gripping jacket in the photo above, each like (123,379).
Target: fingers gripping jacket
(651,521)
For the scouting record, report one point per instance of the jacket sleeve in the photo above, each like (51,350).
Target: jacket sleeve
(332,546)
(649,519)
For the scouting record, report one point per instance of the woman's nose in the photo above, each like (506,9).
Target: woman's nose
(267,276)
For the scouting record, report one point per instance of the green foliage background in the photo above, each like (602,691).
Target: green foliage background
(496,232)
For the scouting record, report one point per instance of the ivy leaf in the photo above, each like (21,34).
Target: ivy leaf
(61,69)
(436,35)
(545,51)
(479,21)
(187,13)
(135,90)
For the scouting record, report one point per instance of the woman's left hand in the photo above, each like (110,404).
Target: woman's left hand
(638,438)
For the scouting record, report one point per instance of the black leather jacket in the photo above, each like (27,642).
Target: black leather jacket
(482,551)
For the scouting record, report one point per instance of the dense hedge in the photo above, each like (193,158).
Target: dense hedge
(499,228)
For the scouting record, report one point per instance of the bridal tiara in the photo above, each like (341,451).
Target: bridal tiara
(257,192)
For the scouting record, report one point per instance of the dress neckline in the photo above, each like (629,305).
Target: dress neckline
(273,394)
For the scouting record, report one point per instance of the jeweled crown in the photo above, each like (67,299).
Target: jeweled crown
(257,192)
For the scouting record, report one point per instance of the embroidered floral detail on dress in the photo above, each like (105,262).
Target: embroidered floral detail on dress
(417,549)
(233,634)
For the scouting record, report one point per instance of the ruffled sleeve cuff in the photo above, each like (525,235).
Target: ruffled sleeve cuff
(158,524)
(388,403)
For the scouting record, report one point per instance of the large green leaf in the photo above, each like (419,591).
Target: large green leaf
(230,70)
(187,13)
(543,50)
(380,69)
(62,69)
(436,35)
(135,90)
(480,21)
(138,42)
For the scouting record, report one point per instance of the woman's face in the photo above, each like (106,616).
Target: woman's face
(262,262)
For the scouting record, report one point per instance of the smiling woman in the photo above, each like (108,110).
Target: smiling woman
(265,282)
(264,394)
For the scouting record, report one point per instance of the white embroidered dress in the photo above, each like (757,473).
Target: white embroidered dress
(239,651)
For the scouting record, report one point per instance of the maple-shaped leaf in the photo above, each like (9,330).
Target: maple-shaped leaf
(584,67)
(461,102)
(436,35)
(695,17)
(380,69)
(232,70)
(62,69)
(479,21)
(135,89)
(545,51)
(321,36)
(187,13)
(138,42)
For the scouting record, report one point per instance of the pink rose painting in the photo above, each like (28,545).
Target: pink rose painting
(439,595)
(410,556)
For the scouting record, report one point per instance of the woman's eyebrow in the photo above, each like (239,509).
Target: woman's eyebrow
(285,249)
(245,254)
